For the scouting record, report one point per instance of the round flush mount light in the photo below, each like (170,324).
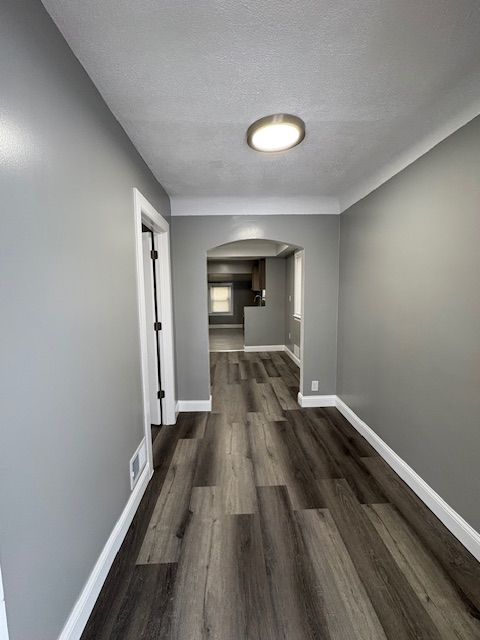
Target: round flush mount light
(278,132)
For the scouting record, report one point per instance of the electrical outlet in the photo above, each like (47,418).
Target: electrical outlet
(314,385)
(289,335)
(289,298)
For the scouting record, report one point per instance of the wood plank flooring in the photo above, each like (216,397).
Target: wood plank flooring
(222,339)
(264,521)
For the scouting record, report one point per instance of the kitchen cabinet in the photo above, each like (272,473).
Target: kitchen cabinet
(258,275)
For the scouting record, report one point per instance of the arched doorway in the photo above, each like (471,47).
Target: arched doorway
(255,306)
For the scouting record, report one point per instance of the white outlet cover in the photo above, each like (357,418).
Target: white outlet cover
(314,385)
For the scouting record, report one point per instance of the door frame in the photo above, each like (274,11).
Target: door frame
(146,213)
(153,347)
(302,319)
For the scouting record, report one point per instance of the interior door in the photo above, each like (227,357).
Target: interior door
(153,326)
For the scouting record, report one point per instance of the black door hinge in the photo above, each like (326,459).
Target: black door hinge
(154,254)
(161,394)
(157,326)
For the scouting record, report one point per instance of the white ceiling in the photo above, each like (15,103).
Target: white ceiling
(186,78)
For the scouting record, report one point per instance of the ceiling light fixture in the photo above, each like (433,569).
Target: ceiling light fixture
(278,132)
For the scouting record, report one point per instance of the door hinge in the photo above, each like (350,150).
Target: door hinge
(161,394)
(154,254)
(157,326)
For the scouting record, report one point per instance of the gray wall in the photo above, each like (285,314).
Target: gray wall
(292,325)
(71,407)
(226,267)
(409,319)
(243,296)
(192,236)
(266,325)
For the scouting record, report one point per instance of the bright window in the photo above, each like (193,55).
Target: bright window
(297,285)
(220,300)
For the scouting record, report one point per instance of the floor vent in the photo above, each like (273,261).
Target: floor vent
(137,463)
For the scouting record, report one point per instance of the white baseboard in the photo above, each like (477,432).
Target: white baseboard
(466,534)
(292,356)
(3,621)
(3,612)
(444,512)
(316,401)
(225,326)
(195,405)
(83,607)
(265,347)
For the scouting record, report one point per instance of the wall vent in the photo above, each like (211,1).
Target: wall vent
(137,463)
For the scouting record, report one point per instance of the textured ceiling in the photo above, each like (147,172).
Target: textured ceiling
(186,78)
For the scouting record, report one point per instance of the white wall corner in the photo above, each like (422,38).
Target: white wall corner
(467,535)
(82,609)
(194,405)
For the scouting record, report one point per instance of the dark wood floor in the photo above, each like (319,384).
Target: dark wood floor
(263,521)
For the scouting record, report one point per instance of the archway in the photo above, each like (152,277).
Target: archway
(254,289)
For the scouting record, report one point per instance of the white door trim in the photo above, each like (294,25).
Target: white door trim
(155,401)
(302,323)
(145,212)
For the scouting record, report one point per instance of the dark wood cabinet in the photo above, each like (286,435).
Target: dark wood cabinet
(258,275)
(261,271)
(255,277)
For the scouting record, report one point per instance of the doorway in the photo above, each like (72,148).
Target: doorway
(154,326)
(154,290)
(255,304)
(230,291)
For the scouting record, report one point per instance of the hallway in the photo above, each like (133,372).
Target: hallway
(263,521)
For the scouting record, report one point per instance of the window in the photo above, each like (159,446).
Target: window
(220,300)
(297,284)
